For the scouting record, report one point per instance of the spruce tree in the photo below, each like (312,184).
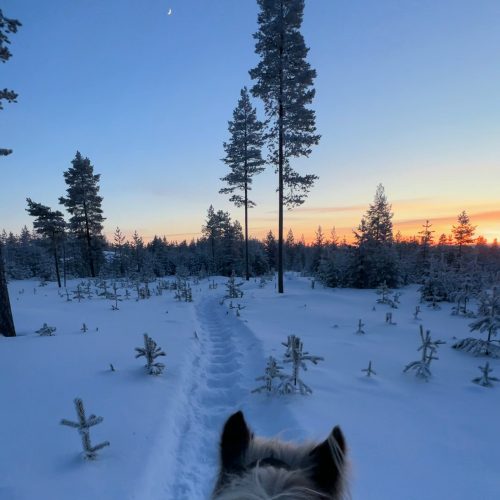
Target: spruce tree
(50,224)
(463,232)
(284,82)
(375,259)
(426,239)
(6,321)
(84,205)
(243,157)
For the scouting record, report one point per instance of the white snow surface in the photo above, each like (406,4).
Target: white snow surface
(407,438)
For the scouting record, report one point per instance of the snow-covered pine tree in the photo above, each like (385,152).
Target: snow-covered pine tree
(83,425)
(429,349)
(374,257)
(233,288)
(296,355)
(383,291)
(485,380)
(369,371)
(416,313)
(51,225)
(115,296)
(151,351)
(284,82)
(272,375)
(426,240)
(84,205)
(244,158)
(360,327)
(46,330)
(7,26)
(78,294)
(463,232)
(488,321)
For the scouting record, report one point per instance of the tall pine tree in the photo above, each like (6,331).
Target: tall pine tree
(284,82)
(6,321)
(7,26)
(243,157)
(84,205)
(50,224)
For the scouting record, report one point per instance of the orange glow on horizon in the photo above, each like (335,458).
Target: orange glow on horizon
(487,222)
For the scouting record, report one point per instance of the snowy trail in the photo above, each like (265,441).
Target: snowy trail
(218,382)
(217,389)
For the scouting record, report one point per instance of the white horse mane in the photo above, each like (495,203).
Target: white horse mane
(271,481)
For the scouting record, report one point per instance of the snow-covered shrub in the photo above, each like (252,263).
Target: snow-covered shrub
(271,378)
(297,357)
(83,425)
(488,321)
(369,371)
(485,380)
(46,330)
(151,351)
(429,349)
(360,327)
(183,290)
(233,288)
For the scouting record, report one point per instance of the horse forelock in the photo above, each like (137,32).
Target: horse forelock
(269,482)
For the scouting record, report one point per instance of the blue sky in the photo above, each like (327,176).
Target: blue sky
(407,95)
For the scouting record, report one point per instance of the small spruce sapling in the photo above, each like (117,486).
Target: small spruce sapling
(233,288)
(83,425)
(77,294)
(272,373)
(485,380)
(416,313)
(46,330)
(297,356)
(360,327)
(487,322)
(429,349)
(84,328)
(388,319)
(369,371)
(151,351)
(383,291)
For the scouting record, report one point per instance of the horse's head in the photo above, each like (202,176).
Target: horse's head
(254,468)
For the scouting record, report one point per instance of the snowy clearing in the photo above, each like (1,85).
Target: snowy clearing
(407,438)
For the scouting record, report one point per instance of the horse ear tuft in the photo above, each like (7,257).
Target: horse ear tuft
(234,442)
(328,462)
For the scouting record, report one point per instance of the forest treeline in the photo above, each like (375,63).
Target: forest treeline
(60,250)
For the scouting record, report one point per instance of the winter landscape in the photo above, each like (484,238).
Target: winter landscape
(153,286)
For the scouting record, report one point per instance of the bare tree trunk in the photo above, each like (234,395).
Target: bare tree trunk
(6,321)
(280,170)
(56,262)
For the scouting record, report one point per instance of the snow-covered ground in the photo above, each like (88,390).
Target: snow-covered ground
(408,439)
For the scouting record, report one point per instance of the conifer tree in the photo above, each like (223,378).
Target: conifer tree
(284,82)
(463,232)
(375,260)
(49,223)
(7,26)
(426,239)
(84,205)
(6,321)
(244,158)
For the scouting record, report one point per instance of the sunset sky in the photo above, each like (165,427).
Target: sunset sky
(408,95)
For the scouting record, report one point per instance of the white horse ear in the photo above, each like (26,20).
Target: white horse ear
(329,461)
(234,443)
